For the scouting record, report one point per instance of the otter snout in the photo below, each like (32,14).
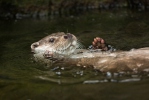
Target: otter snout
(34,45)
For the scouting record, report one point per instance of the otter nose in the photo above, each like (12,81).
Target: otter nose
(34,45)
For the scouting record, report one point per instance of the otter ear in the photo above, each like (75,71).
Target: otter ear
(51,40)
(65,37)
(34,45)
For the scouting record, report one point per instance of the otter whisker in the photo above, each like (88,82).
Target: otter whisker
(80,45)
(63,48)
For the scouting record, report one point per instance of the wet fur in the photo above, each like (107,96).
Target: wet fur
(134,60)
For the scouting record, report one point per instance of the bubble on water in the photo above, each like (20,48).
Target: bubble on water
(80,73)
(109,74)
(58,73)
(84,66)
(62,68)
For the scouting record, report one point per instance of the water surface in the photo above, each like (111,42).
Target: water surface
(23,79)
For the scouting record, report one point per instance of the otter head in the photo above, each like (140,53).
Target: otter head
(60,43)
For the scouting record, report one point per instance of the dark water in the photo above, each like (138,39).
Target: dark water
(23,79)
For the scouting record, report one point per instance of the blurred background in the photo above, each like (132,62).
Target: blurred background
(17,9)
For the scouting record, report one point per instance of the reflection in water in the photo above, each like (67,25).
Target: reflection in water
(68,75)
(74,74)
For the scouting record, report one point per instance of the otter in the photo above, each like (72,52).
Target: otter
(67,48)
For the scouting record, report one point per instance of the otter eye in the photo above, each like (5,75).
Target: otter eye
(51,40)
(65,37)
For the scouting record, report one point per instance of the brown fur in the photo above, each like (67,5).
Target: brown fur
(134,60)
